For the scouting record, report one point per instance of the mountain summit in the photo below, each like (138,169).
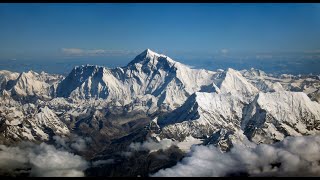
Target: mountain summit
(150,57)
(167,81)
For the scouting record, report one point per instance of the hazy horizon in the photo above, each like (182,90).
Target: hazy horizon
(54,37)
(293,64)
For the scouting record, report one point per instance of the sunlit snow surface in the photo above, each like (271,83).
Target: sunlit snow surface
(222,108)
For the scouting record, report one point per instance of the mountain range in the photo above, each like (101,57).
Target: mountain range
(157,97)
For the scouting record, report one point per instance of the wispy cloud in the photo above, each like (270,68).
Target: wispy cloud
(72,51)
(315,51)
(151,145)
(74,143)
(94,52)
(148,145)
(224,51)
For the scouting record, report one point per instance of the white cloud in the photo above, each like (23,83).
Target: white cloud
(79,145)
(40,160)
(294,156)
(73,51)
(93,52)
(148,145)
(72,143)
(151,145)
(224,51)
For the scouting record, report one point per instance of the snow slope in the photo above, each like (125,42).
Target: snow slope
(170,82)
(202,115)
(272,116)
(27,122)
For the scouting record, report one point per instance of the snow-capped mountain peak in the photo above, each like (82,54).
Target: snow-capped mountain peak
(279,114)
(202,114)
(149,57)
(232,81)
(170,82)
(29,84)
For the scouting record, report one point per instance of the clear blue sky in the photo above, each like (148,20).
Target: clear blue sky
(74,30)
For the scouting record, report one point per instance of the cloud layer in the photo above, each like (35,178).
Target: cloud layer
(294,156)
(40,160)
(93,52)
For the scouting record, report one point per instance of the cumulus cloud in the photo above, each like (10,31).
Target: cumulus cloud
(151,145)
(40,160)
(93,52)
(73,143)
(294,156)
